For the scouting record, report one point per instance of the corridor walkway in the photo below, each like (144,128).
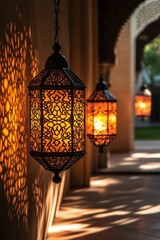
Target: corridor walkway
(117,206)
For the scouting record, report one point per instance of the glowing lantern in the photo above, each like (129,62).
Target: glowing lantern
(101,116)
(143,103)
(57,105)
(57,113)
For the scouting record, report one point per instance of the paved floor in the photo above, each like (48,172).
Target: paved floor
(116,206)
(145,159)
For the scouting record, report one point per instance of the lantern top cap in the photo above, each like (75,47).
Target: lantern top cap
(144,91)
(56,60)
(144,86)
(101,85)
(101,94)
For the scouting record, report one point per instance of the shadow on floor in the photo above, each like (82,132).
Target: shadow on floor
(115,207)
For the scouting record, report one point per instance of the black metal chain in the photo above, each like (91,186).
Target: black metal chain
(57,11)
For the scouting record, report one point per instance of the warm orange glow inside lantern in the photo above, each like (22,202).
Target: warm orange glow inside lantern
(101,116)
(57,114)
(143,103)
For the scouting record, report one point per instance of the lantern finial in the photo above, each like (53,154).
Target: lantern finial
(56,60)
(56,178)
(101,85)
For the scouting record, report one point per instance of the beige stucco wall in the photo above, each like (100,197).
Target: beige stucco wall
(84,50)
(123,88)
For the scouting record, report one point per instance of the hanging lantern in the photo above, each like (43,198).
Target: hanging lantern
(57,115)
(101,116)
(143,103)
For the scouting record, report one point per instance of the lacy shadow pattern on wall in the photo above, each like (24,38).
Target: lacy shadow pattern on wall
(15,48)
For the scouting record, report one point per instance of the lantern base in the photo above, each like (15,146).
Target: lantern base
(56,178)
(101,140)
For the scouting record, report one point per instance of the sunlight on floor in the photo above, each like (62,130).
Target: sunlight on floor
(140,156)
(113,213)
(67,227)
(146,155)
(103,182)
(152,165)
(74,212)
(125,221)
(78,232)
(149,210)
(135,161)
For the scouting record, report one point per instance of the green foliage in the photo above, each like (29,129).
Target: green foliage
(151,56)
(147,133)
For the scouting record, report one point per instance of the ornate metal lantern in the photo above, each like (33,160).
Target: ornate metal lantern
(143,103)
(57,116)
(101,116)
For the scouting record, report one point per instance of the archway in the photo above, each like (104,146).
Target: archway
(109,56)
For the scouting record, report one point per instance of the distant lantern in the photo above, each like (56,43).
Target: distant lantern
(143,103)
(101,116)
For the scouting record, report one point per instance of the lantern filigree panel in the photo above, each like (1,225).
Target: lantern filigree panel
(39,159)
(99,96)
(57,163)
(37,80)
(57,77)
(57,121)
(102,140)
(35,111)
(79,121)
(112,118)
(73,160)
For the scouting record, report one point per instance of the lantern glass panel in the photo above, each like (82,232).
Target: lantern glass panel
(100,118)
(90,118)
(112,118)
(142,105)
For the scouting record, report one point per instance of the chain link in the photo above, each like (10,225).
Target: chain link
(57,11)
